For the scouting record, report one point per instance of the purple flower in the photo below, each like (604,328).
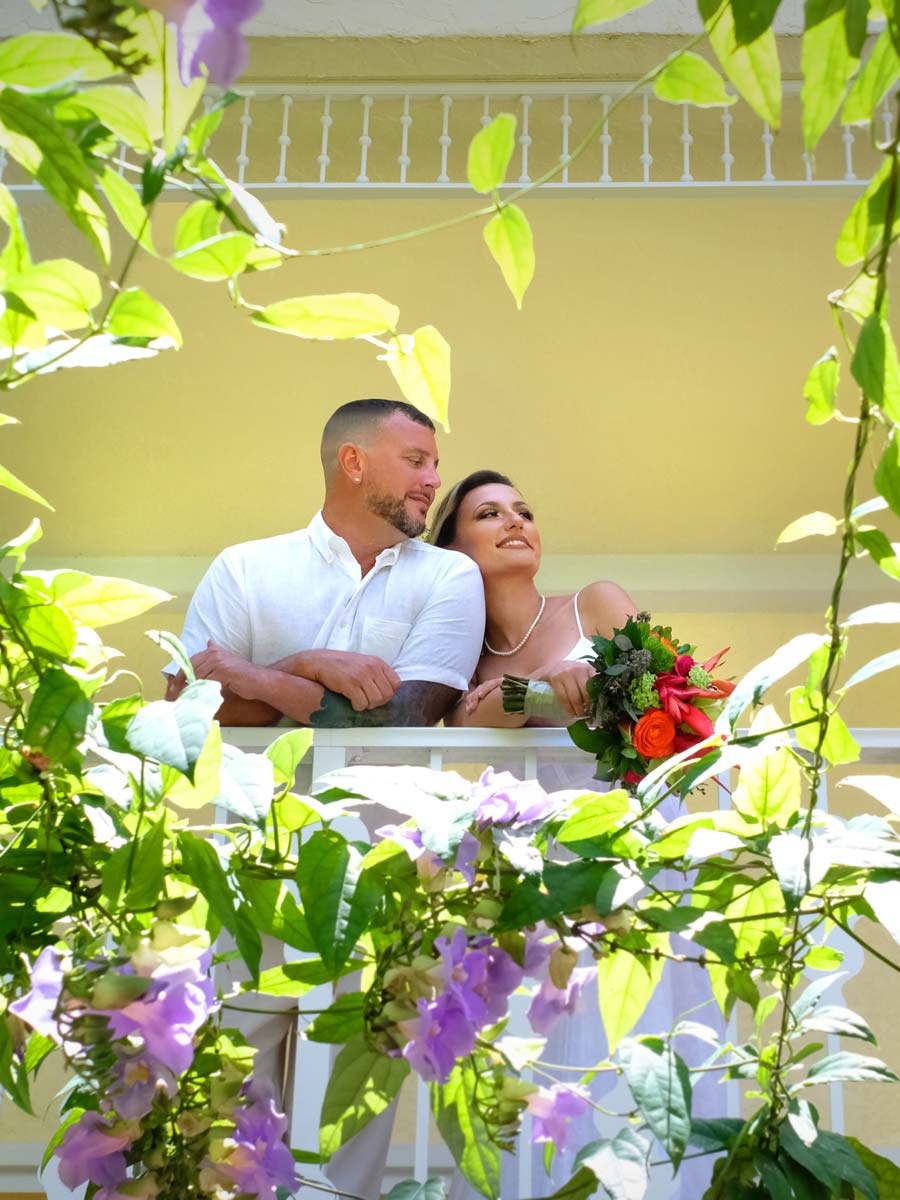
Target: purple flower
(466,856)
(465,974)
(504,975)
(37,1008)
(92,1151)
(552,1002)
(439,1036)
(502,799)
(552,1108)
(179,1001)
(139,1079)
(210,37)
(260,1161)
(428,864)
(537,950)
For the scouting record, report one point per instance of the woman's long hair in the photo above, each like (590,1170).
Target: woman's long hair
(443,530)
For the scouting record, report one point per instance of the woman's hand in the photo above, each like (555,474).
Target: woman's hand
(476,695)
(568,679)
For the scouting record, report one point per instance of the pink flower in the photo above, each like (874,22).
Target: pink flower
(552,1002)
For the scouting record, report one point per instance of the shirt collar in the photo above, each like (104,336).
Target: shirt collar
(331,545)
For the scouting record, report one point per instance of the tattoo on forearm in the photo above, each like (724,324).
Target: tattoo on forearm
(416,703)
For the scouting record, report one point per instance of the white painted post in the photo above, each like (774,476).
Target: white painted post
(727,156)
(404,159)
(365,140)
(887,118)
(605,141)
(423,1128)
(243,160)
(565,121)
(687,141)
(486,113)
(807,166)
(525,140)
(848,138)
(323,158)
(445,139)
(767,139)
(646,122)
(284,138)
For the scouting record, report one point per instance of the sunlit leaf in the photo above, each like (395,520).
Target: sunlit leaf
(768,786)
(847,1067)
(126,204)
(175,732)
(36,61)
(458,1117)
(875,614)
(120,109)
(820,389)
(865,223)
(620,1164)
(59,292)
(12,484)
(338,895)
(220,257)
(887,474)
(885,554)
(97,600)
(814,523)
(199,222)
(689,79)
(839,745)
(754,69)
(873,83)
(625,984)
(490,151)
(884,662)
(57,716)
(287,752)
(509,239)
(362,1084)
(827,65)
(875,366)
(420,363)
(757,681)
(135,314)
(160,84)
(597,12)
(343,315)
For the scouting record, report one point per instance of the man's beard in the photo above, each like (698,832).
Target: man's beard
(393,510)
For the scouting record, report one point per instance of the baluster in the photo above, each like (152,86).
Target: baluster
(605,141)
(123,158)
(687,141)
(284,138)
(807,165)
(3,162)
(848,138)
(243,160)
(365,140)
(435,759)
(323,158)
(526,1148)
(445,139)
(888,118)
(404,159)
(486,113)
(423,1129)
(565,157)
(525,140)
(646,122)
(727,156)
(767,139)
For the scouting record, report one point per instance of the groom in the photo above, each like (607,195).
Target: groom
(350,621)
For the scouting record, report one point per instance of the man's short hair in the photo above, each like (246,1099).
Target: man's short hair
(358,419)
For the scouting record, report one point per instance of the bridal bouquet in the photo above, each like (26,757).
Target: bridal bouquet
(649,699)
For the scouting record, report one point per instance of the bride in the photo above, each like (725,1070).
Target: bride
(548,637)
(527,634)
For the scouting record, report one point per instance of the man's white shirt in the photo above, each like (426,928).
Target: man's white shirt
(420,608)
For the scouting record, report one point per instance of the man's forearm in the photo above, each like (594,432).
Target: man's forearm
(235,710)
(290,695)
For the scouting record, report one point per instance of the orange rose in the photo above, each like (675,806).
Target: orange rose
(654,734)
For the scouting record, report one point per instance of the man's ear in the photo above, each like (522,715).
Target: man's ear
(351,462)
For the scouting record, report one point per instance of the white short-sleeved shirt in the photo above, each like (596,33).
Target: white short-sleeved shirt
(420,608)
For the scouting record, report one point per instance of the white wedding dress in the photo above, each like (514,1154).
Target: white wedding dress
(683,992)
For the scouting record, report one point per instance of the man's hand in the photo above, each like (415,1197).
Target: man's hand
(227,668)
(366,681)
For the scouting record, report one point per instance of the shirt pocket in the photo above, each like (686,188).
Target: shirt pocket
(384,638)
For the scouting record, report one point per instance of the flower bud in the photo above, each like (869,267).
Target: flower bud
(192,1124)
(562,964)
(113,990)
(619,921)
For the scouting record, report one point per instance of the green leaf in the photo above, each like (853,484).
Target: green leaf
(207,123)
(754,69)
(858,298)
(830,1159)
(120,109)
(882,552)
(41,146)
(458,1117)
(508,237)
(343,315)
(57,716)
(619,1164)
(338,896)
(160,83)
(689,79)
(411,1189)
(835,1019)
(884,662)
(287,752)
(865,224)
(36,61)
(769,784)
(203,789)
(873,83)
(171,645)
(15,256)
(12,484)
(125,202)
(97,600)
(135,314)
(822,958)
(201,863)
(596,12)
(887,474)
(148,874)
(827,65)
(661,1086)
(275,912)
(625,983)
(885,1172)
(814,523)
(363,1082)
(59,292)
(820,389)
(199,222)
(490,151)
(220,257)
(760,678)
(875,367)
(420,363)
(592,822)
(174,732)
(296,978)
(839,745)
(752,18)
(339,1023)
(246,784)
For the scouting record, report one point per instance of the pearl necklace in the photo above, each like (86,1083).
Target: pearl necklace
(531,628)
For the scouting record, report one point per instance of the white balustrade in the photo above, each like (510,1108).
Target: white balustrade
(605,141)
(525,139)
(246,120)
(405,121)
(284,138)
(727,156)
(686,142)
(365,140)
(646,122)
(323,158)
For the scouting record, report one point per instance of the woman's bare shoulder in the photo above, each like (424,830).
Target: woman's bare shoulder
(604,605)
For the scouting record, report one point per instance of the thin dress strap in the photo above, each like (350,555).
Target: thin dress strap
(577,613)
